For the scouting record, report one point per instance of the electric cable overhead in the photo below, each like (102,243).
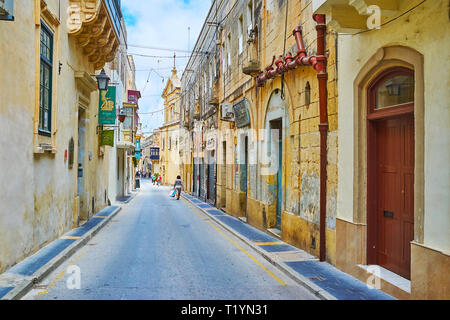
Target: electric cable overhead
(164,49)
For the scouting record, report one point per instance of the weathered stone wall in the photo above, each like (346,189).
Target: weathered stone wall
(37,196)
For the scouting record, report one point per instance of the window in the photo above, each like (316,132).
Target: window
(391,91)
(395,91)
(45,80)
(249,16)
(128,123)
(307,94)
(229,50)
(224,57)
(211,73)
(241,34)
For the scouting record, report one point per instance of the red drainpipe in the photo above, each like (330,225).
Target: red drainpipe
(319,63)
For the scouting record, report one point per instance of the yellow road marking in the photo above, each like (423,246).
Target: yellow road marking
(268,243)
(60,275)
(237,245)
(71,238)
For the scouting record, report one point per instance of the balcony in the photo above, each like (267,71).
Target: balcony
(197,109)
(251,68)
(96,26)
(351,16)
(213,94)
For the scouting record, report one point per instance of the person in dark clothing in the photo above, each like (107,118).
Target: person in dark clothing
(178,186)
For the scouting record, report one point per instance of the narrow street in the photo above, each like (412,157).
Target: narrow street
(161,248)
(310,137)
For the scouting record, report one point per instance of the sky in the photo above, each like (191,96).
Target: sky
(165,24)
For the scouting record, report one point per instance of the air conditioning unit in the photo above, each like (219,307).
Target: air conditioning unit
(227,112)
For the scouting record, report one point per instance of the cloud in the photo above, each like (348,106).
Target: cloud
(162,24)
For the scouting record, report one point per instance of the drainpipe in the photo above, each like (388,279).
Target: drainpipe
(319,63)
(322,77)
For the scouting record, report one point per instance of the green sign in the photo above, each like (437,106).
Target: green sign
(107,106)
(107,138)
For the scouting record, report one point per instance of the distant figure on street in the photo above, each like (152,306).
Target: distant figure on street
(178,186)
(159,180)
(153,179)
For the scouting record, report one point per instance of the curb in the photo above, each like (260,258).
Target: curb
(303,281)
(25,285)
(133,195)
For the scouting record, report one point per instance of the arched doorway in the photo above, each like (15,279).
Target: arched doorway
(277,129)
(390,169)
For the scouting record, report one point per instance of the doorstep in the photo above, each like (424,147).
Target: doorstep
(243,219)
(275,232)
(388,276)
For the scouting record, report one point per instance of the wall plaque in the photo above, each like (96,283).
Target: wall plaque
(241,115)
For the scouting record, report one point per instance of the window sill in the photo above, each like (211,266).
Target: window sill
(43,143)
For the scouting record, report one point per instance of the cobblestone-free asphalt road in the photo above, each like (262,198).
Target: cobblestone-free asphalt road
(161,248)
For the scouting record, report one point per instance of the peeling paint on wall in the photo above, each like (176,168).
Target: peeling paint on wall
(309,197)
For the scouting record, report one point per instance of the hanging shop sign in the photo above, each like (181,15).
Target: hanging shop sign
(241,115)
(107,138)
(137,152)
(107,106)
(211,140)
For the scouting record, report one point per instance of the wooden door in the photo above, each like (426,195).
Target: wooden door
(395,192)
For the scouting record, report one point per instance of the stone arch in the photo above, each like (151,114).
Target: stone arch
(288,100)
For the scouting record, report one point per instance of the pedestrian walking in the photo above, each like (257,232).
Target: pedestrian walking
(178,186)
(159,180)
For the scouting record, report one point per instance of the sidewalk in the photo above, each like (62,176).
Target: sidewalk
(321,278)
(19,279)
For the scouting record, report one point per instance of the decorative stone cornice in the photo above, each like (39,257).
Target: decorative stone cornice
(51,17)
(90,22)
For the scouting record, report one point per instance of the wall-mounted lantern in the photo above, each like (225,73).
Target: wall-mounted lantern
(393,88)
(122,115)
(102,81)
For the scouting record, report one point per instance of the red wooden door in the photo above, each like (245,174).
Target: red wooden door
(395,192)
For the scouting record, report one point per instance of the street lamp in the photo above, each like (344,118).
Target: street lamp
(102,81)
